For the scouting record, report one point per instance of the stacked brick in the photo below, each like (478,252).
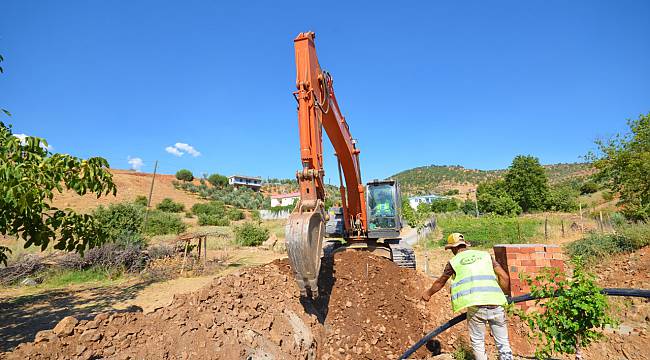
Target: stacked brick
(527,259)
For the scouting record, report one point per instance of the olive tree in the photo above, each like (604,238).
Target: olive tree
(29,177)
(184,175)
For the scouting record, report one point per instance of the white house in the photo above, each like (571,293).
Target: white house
(284,199)
(253,182)
(414,201)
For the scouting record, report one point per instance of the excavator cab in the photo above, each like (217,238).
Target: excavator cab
(384,209)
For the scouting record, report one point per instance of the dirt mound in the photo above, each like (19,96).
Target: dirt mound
(253,314)
(374,308)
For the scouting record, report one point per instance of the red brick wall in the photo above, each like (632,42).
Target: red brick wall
(528,259)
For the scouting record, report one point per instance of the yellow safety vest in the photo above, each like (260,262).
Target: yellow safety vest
(475,282)
(382,209)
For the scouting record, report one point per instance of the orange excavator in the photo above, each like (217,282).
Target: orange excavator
(370,214)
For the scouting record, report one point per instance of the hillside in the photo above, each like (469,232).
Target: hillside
(130,185)
(440,178)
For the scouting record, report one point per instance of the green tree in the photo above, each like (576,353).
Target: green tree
(29,177)
(444,205)
(569,319)
(408,213)
(492,197)
(623,164)
(218,180)
(184,175)
(562,198)
(526,182)
(469,207)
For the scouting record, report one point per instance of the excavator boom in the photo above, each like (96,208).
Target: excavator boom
(305,229)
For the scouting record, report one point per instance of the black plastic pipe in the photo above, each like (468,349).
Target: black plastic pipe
(521,298)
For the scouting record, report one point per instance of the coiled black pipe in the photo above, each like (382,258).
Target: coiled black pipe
(521,298)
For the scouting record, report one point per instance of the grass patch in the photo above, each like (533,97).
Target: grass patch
(276,227)
(64,278)
(489,230)
(625,239)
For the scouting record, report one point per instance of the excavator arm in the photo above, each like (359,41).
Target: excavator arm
(318,109)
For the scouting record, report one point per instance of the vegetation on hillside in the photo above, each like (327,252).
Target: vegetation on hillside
(242,198)
(427,179)
(623,164)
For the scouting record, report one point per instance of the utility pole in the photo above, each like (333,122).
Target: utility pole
(153,179)
(476,201)
(155,167)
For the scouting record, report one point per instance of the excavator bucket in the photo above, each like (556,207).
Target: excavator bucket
(304,235)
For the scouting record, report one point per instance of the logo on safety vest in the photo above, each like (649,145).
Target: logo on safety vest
(469,260)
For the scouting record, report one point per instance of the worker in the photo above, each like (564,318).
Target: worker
(478,284)
(383,206)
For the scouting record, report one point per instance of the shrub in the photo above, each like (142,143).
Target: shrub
(141,200)
(608,195)
(184,175)
(617,219)
(161,251)
(212,208)
(636,235)
(469,207)
(572,312)
(235,214)
(121,222)
(107,257)
(255,215)
(452,192)
(162,223)
(493,198)
(169,205)
(444,205)
(250,234)
(218,180)
(562,198)
(589,187)
(215,220)
(595,246)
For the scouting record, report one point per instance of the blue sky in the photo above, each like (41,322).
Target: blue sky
(436,82)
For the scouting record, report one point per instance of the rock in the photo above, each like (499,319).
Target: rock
(66,326)
(29,282)
(90,335)
(45,335)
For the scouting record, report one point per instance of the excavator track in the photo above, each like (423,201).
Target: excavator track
(403,256)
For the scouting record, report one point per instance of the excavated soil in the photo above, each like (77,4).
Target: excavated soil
(368,308)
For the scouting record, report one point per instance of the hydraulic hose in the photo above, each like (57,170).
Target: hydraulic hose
(521,298)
